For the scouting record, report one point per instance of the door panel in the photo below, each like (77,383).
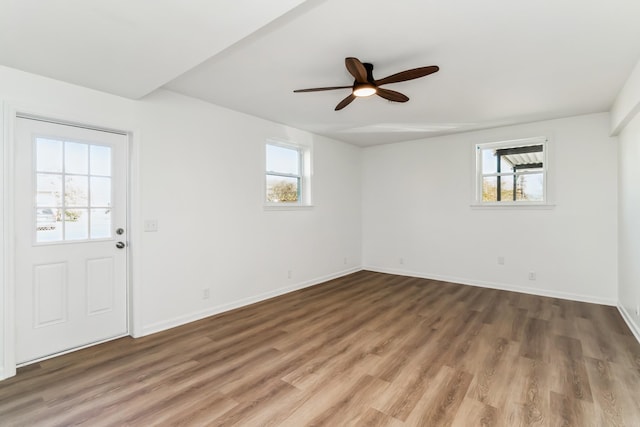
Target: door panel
(50,294)
(71,287)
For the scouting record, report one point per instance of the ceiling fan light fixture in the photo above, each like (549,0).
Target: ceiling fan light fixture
(363,90)
(365,85)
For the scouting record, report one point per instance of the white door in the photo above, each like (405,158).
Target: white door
(70,237)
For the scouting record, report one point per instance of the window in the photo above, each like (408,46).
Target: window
(287,174)
(512,172)
(73,191)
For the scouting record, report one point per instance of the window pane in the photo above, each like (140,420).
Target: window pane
(506,188)
(490,189)
(283,160)
(49,190)
(282,189)
(489,161)
(76,191)
(48,155)
(76,224)
(100,160)
(100,191)
(48,228)
(100,223)
(530,187)
(76,158)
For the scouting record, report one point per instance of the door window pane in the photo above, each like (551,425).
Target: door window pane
(76,158)
(48,155)
(48,227)
(100,160)
(76,224)
(100,191)
(48,190)
(100,223)
(76,191)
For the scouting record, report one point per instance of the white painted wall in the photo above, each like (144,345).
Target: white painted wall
(628,106)
(198,171)
(202,176)
(627,103)
(416,206)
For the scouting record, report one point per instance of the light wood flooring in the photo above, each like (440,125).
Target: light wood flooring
(368,349)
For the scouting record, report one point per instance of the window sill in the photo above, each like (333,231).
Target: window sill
(510,206)
(287,207)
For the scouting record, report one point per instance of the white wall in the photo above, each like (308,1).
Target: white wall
(198,171)
(416,206)
(202,169)
(627,104)
(629,230)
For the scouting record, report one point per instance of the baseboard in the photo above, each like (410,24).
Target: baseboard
(500,286)
(192,317)
(635,329)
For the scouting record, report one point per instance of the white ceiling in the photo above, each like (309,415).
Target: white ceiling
(501,61)
(124,47)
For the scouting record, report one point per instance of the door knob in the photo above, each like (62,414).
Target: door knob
(120,245)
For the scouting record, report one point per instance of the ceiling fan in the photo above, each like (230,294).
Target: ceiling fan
(365,85)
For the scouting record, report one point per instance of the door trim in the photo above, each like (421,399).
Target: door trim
(10,114)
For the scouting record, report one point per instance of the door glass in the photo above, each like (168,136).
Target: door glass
(100,191)
(73,191)
(76,191)
(100,223)
(76,224)
(49,189)
(49,155)
(76,158)
(100,160)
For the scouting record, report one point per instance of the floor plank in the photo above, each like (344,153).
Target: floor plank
(368,349)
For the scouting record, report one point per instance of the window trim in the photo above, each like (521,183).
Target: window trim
(514,143)
(304,176)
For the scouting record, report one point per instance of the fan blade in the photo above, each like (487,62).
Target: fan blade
(408,75)
(356,69)
(348,100)
(318,89)
(392,95)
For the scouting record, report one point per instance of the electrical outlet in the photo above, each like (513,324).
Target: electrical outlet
(289,274)
(206,293)
(532,275)
(345,260)
(401,261)
(501,260)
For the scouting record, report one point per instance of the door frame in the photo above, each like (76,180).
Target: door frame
(10,114)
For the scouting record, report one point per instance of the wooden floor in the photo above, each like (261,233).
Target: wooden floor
(368,349)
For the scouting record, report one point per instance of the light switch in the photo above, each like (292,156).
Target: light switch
(150,225)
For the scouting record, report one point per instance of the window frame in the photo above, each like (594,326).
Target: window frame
(515,143)
(303,176)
